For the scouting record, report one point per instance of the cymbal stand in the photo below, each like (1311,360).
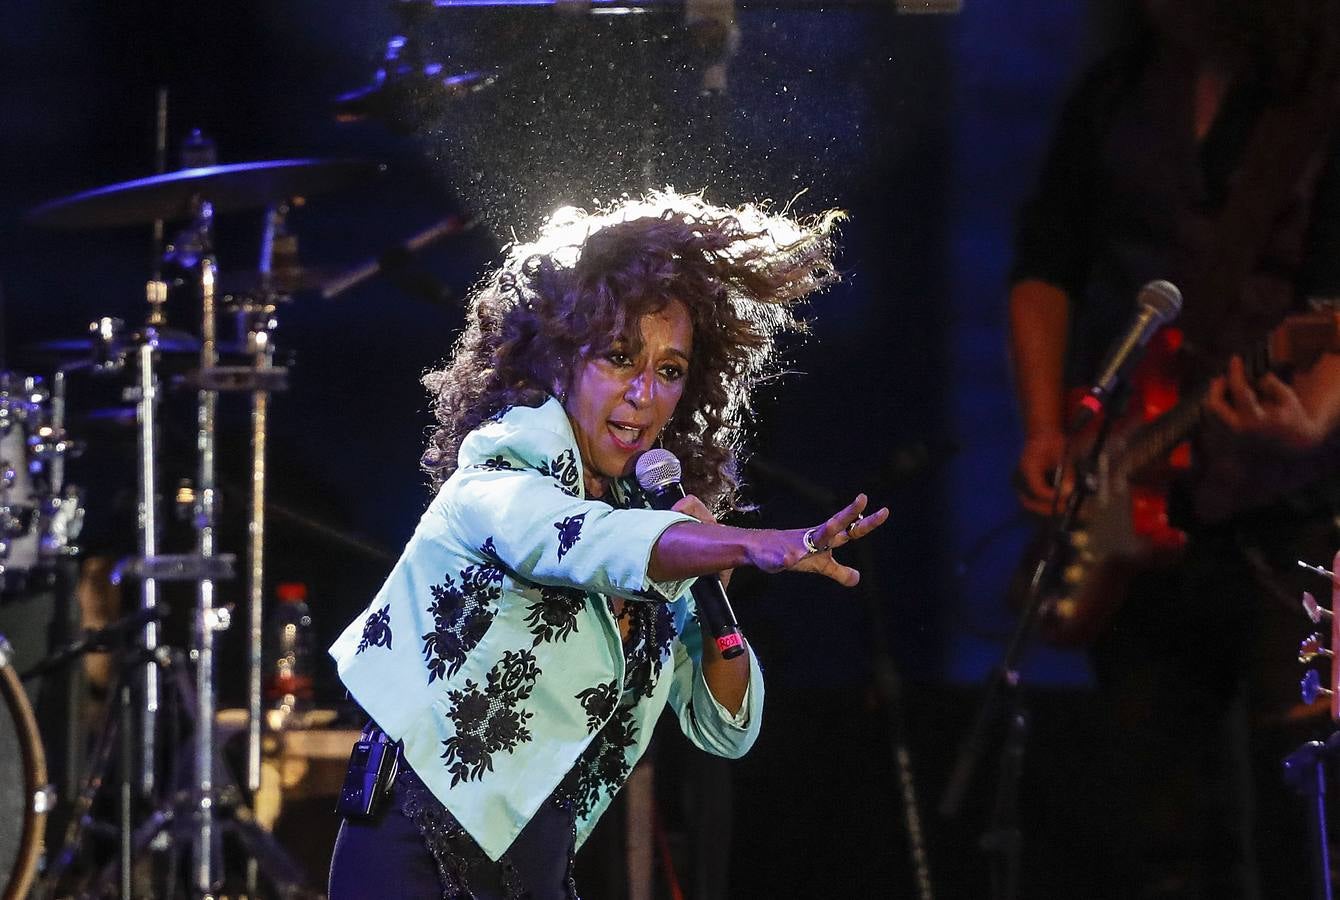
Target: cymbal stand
(192,249)
(209,619)
(256,321)
(211,789)
(146,417)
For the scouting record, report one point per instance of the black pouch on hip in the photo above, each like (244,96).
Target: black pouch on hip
(372,769)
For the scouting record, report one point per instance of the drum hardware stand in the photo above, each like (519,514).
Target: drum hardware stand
(172,820)
(116,722)
(147,404)
(175,820)
(1004,696)
(147,399)
(210,788)
(256,320)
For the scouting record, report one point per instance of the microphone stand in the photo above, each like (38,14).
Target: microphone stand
(1004,696)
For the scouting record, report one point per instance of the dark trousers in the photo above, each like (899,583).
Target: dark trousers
(382,857)
(387,856)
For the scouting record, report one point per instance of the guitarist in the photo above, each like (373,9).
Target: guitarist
(1202,152)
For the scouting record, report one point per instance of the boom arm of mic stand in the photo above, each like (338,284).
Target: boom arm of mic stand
(448,227)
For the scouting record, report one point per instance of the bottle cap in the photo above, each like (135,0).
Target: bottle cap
(291,592)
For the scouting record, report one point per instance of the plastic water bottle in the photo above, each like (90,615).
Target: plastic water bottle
(289,660)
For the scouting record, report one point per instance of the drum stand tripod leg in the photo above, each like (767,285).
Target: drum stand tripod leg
(174,820)
(113,727)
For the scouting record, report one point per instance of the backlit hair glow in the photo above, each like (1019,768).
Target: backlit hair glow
(586,280)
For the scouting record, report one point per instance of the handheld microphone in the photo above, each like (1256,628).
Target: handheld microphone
(1158,303)
(659,472)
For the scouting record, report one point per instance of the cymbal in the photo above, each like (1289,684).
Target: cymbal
(171,343)
(85,346)
(170,196)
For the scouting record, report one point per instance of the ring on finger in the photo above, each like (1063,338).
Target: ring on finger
(852,527)
(809,541)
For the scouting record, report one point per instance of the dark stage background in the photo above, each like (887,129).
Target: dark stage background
(928,129)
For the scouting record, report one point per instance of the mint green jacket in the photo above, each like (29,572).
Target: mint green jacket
(491,651)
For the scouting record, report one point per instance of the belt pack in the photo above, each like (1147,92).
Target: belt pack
(373,765)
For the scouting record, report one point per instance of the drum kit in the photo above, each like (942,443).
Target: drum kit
(169,828)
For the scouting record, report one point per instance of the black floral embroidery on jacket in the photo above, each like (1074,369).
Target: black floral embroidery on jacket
(376,630)
(497,463)
(663,633)
(598,702)
(650,633)
(462,615)
(563,469)
(554,616)
(603,766)
(490,720)
(569,533)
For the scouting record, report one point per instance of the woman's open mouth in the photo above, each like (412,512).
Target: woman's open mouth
(626,436)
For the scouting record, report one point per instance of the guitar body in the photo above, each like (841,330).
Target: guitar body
(1124,526)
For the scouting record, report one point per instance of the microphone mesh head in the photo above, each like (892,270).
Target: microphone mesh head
(1163,298)
(657,469)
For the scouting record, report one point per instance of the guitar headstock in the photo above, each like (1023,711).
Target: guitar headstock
(1301,339)
(1314,646)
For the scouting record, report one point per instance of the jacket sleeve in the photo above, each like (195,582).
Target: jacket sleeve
(704,721)
(520,506)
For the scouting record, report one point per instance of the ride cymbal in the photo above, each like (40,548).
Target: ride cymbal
(171,196)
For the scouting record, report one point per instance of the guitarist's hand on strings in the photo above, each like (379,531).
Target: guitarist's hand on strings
(1269,410)
(1036,476)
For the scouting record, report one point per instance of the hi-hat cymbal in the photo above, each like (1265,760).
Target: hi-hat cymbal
(171,195)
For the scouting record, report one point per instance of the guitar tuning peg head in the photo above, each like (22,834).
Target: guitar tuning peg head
(1311,648)
(1315,611)
(1320,570)
(1310,687)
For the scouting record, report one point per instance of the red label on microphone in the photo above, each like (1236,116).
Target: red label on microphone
(726,642)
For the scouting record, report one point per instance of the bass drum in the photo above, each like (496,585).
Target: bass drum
(24,795)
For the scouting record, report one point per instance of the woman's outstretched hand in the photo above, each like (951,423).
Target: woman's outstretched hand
(810,549)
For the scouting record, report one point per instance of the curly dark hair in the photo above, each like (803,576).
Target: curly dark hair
(585,283)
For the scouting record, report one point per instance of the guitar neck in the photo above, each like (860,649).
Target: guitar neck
(1299,341)
(1155,440)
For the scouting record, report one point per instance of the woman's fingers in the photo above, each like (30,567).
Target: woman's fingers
(849,524)
(866,524)
(823,563)
(832,533)
(690,505)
